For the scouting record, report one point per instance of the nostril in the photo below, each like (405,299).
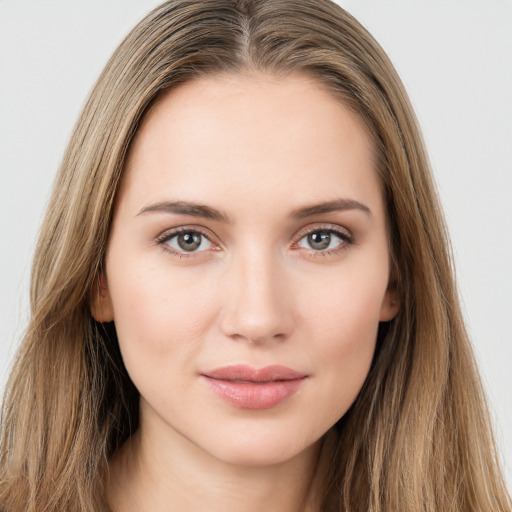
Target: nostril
(253,336)
(255,329)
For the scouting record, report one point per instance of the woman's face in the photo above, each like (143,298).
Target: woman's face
(248,266)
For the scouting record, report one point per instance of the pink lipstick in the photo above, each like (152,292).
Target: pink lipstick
(251,388)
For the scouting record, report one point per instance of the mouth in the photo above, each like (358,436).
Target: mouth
(251,388)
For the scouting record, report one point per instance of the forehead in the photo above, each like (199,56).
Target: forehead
(247,134)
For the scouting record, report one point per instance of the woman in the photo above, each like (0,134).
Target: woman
(242,295)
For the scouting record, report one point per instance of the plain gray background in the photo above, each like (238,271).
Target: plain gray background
(455,58)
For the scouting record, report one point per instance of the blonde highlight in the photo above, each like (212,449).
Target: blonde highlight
(418,436)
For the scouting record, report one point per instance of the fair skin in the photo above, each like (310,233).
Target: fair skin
(288,265)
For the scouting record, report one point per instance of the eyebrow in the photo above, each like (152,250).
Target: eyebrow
(186,208)
(329,207)
(207,212)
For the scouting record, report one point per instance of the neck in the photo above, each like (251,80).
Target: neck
(162,472)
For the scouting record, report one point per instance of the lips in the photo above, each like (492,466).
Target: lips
(252,388)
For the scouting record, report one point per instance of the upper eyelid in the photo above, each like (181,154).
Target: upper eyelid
(334,228)
(166,234)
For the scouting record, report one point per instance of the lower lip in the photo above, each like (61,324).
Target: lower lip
(254,395)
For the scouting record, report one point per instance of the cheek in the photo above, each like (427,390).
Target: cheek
(161,315)
(343,322)
(346,334)
(347,306)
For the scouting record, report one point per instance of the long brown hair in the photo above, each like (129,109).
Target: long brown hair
(418,436)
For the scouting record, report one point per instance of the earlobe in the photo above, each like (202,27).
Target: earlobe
(390,308)
(101,302)
(390,305)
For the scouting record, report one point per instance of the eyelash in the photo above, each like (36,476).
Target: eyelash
(345,236)
(168,235)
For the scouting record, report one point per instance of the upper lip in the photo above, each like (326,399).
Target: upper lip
(241,372)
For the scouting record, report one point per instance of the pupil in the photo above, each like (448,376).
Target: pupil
(319,240)
(189,241)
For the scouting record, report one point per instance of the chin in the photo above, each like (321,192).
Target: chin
(266,449)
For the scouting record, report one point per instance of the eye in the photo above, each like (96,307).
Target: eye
(186,241)
(324,240)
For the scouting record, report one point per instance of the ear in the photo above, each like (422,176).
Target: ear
(101,302)
(390,304)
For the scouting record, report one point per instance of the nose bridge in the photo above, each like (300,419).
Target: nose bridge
(256,307)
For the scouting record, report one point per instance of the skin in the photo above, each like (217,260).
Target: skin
(255,291)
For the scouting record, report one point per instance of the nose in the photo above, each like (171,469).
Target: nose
(257,307)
